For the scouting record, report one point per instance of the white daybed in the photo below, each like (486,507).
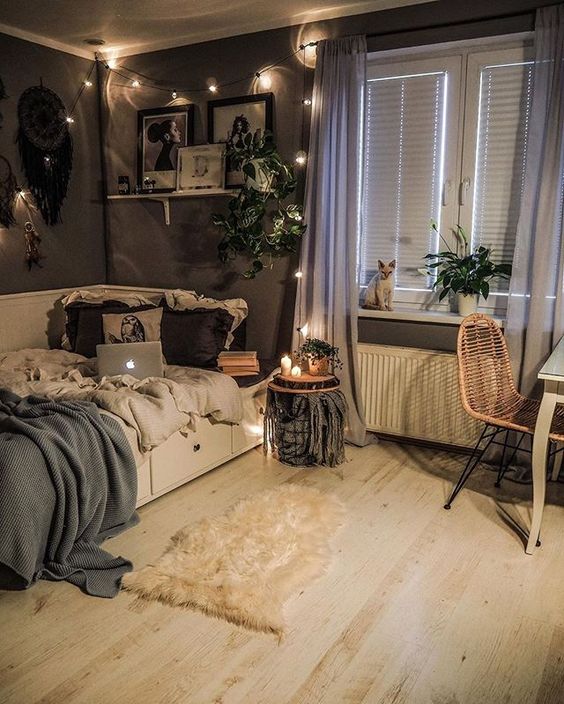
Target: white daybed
(36,320)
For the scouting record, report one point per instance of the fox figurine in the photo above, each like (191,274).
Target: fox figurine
(380,290)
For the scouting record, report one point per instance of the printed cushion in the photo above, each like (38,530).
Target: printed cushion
(132,326)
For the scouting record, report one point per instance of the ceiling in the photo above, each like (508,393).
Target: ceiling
(135,26)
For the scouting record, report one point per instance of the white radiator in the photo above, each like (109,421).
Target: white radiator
(414,393)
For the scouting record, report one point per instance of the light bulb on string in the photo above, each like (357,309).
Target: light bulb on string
(299,274)
(87,84)
(70,119)
(135,84)
(213,88)
(301,158)
(265,81)
(174,95)
(307,101)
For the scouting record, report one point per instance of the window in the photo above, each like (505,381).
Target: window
(446,140)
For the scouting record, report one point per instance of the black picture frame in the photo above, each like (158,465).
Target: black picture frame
(148,149)
(258,111)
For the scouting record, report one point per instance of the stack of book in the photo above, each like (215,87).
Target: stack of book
(238,363)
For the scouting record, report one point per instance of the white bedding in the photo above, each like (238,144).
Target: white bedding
(155,407)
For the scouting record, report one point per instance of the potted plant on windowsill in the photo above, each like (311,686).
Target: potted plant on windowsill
(465,274)
(321,357)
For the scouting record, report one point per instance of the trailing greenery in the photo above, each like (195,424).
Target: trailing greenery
(316,350)
(461,271)
(258,225)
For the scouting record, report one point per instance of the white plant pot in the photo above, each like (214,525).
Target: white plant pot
(467,303)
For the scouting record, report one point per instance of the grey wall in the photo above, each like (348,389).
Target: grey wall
(74,249)
(142,251)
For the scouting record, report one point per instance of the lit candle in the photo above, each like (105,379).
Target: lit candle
(296,371)
(286,364)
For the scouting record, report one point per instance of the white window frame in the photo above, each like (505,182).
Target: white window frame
(464,61)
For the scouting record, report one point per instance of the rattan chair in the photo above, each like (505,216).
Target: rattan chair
(489,395)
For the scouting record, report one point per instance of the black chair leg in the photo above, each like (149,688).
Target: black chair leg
(472,463)
(501,468)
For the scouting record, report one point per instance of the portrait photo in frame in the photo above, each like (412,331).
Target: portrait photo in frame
(201,167)
(160,133)
(231,119)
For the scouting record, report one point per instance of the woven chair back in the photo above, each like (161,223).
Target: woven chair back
(487,387)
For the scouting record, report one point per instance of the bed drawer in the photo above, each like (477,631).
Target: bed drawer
(144,482)
(181,458)
(249,432)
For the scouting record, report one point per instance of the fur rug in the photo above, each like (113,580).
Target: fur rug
(243,565)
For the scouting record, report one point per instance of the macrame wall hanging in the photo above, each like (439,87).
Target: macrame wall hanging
(3,96)
(45,148)
(8,192)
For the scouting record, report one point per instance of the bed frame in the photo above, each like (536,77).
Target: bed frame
(36,319)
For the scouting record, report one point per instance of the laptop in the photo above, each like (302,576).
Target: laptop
(139,359)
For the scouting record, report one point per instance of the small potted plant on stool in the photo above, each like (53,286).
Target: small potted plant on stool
(322,358)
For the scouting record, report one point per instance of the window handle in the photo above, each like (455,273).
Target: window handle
(447,189)
(464,188)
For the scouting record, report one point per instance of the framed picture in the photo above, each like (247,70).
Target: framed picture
(231,119)
(201,167)
(161,132)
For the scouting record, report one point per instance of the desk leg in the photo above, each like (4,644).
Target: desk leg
(540,449)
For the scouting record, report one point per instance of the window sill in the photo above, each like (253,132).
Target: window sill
(431,317)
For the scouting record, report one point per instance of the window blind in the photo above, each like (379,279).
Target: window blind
(505,102)
(402,174)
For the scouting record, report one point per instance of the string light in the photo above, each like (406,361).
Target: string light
(87,84)
(299,274)
(301,158)
(135,84)
(70,119)
(307,101)
(174,95)
(213,88)
(265,81)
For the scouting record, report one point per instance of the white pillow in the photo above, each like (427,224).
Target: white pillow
(96,297)
(178,299)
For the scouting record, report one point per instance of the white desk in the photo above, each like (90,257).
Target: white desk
(552,373)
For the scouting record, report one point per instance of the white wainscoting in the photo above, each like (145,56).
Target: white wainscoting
(414,393)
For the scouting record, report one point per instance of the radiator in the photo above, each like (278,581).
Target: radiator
(414,393)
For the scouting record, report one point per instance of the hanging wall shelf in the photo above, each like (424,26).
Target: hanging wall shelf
(165,198)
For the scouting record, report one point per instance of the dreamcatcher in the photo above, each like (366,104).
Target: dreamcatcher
(32,241)
(8,190)
(45,148)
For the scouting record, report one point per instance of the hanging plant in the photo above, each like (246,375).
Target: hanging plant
(258,225)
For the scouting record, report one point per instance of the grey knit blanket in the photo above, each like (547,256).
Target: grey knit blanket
(68,481)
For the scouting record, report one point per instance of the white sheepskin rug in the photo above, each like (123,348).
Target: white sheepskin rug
(243,565)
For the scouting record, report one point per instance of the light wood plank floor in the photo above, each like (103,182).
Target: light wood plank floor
(420,605)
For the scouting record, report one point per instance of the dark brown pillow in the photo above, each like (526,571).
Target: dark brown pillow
(84,326)
(194,338)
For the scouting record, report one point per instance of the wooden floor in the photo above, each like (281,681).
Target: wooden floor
(421,605)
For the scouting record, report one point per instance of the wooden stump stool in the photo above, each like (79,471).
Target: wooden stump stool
(305,420)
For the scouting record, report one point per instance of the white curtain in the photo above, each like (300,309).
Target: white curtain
(535,315)
(328,299)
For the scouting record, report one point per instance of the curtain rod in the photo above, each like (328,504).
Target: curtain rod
(458,23)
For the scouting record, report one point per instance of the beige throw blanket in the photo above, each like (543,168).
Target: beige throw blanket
(155,407)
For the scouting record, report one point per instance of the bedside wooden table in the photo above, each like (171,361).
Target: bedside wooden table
(305,420)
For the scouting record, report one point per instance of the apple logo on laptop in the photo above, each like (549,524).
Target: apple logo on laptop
(130,364)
